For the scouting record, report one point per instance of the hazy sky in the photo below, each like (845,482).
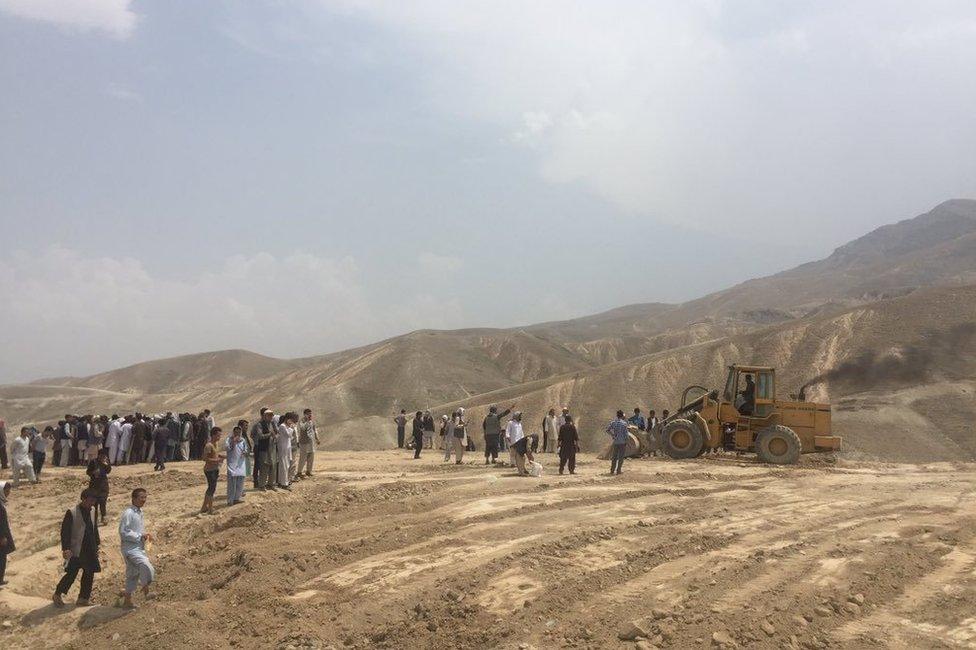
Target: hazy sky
(298,177)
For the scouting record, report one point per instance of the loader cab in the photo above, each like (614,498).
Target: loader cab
(751,389)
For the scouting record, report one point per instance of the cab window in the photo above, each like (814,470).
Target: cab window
(764,387)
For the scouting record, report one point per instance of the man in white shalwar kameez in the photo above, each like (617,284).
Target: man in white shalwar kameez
(286,433)
(113,438)
(133,535)
(125,441)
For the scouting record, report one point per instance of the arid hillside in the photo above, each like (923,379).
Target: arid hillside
(896,301)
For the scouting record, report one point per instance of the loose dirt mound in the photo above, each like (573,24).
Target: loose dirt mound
(379,550)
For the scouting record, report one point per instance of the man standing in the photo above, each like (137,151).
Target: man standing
(82,431)
(263,435)
(79,547)
(113,438)
(160,441)
(517,442)
(401,422)
(653,423)
(428,430)
(38,445)
(418,433)
(20,457)
(64,439)
(286,433)
(549,431)
(637,420)
(236,449)
(618,434)
(132,533)
(492,426)
(3,445)
(568,445)
(562,418)
(172,442)
(125,441)
(136,448)
(308,440)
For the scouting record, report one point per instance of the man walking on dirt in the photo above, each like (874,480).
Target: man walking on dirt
(132,533)
(618,434)
(20,458)
(79,547)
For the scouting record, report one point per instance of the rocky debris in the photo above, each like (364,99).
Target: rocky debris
(768,628)
(723,639)
(821,610)
(857,599)
(299,641)
(645,645)
(634,630)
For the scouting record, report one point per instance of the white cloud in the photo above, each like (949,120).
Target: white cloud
(435,264)
(113,17)
(119,91)
(720,115)
(68,312)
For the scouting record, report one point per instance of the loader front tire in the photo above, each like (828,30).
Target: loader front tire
(778,445)
(682,439)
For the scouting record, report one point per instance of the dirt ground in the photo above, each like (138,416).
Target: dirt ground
(382,551)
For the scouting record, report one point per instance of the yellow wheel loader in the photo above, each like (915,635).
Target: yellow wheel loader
(747,417)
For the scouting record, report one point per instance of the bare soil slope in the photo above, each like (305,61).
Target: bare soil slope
(381,551)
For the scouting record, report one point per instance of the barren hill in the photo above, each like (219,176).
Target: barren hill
(877,297)
(183,373)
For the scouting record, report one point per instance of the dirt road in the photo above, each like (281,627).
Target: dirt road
(379,550)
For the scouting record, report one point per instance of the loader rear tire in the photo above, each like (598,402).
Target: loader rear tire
(682,439)
(778,445)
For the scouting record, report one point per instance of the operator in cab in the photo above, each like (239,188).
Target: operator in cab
(746,402)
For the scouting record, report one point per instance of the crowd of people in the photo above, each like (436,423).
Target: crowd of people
(274,451)
(556,434)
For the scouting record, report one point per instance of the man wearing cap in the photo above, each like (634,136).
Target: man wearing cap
(265,456)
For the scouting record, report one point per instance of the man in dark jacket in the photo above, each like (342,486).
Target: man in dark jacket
(160,440)
(263,434)
(418,433)
(79,547)
(173,424)
(568,445)
(139,431)
(6,537)
(492,427)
